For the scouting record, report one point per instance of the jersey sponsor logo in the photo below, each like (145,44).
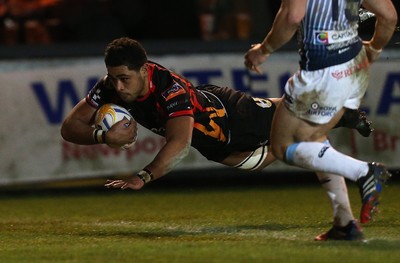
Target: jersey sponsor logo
(172,92)
(317,110)
(179,107)
(333,36)
(172,105)
(321,38)
(339,74)
(263,103)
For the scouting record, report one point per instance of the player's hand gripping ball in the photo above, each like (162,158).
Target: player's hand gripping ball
(109,114)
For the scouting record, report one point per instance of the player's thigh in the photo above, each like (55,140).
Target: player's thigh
(235,158)
(288,129)
(285,128)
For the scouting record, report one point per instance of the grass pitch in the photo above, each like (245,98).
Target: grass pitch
(256,223)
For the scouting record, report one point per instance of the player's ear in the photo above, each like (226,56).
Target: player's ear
(143,69)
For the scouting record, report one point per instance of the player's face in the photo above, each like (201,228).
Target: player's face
(129,84)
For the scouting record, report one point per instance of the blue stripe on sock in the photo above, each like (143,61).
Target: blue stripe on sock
(290,153)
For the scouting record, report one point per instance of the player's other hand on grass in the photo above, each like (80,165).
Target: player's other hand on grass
(133,182)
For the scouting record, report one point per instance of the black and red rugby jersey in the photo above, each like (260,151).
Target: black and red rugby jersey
(222,122)
(170,95)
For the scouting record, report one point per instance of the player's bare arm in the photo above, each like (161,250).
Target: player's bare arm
(77,126)
(178,140)
(386,19)
(283,29)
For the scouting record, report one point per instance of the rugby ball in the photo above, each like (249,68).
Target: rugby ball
(109,114)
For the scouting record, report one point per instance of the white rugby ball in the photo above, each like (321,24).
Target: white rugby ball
(109,114)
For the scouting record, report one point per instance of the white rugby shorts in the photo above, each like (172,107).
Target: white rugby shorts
(318,95)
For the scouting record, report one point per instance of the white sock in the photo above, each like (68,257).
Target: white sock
(336,189)
(320,157)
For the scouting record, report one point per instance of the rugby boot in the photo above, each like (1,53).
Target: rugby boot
(370,187)
(351,232)
(356,119)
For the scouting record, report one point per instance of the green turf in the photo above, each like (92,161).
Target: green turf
(236,224)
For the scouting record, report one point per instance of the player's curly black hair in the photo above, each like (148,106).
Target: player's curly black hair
(125,52)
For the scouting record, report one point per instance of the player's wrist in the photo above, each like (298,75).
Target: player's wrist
(266,49)
(145,175)
(99,136)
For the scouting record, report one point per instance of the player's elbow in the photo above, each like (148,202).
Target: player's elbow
(65,131)
(389,17)
(186,149)
(294,19)
(393,19)
(294,16)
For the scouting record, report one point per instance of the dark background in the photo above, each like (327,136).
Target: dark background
(59,28)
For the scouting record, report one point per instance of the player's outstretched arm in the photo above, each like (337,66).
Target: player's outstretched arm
(178,137)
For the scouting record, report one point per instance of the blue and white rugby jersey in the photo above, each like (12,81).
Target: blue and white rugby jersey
(328,33)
